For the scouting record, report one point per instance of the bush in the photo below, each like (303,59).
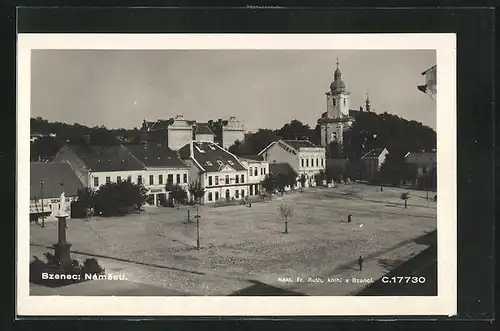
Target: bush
(52,266)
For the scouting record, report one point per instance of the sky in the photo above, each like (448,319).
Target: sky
(262,88)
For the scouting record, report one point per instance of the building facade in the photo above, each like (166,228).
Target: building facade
(258,168)
(150,166)
(302,155)
(47,181)
(372,161)
(233,131)
(220,173)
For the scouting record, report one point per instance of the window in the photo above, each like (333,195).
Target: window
(251,189)
(227,180)
(236,194)
(219,162)
(237,179)
(242,179)
(344,102)
(208,163)
(151,180)
(322,162)
(185,178)
(317,162)
(302,162)
(242,193)
(178,178)
(255,171)
(312,162)
(139,179)
(129,178)
(216,180)
(216,196)
(209,180)
(96,181)
(118,179)
(209,196)
(250,171)
(160,179)
(261,171)
(230,162)
(265,171)
(307,162)
(108,179)
(170,179)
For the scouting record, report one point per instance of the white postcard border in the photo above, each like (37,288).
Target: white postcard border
(445,303)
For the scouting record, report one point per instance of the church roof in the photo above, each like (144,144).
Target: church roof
(203,128)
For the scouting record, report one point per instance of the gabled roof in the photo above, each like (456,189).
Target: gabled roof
(373,153)
(251,157)
(426,71)
(107,158)
(422,157)
(156,156)
(298,144)
(53,174)
(281,167)
(156,125)
(203,128)
(209,157)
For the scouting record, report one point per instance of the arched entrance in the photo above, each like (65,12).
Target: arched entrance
(227,194)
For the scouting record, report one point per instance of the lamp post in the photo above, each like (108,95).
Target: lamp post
(197,228)
(41,195)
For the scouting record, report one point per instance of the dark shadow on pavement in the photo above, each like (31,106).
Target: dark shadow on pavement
(261,289)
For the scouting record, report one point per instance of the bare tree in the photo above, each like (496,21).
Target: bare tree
(285,212)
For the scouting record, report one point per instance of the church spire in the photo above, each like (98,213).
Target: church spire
(367,102)
(338,74)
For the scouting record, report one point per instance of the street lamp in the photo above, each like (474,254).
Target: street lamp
(41,195)
(197,227)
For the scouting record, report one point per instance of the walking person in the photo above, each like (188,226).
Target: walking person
(349,218)
(360,263)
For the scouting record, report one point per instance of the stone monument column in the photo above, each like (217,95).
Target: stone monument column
(62,248)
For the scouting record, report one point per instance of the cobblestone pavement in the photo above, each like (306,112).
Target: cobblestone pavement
(241,245)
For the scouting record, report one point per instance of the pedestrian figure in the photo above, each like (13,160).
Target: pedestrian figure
(349,218)
(360,263)
(435,198)
(381,189)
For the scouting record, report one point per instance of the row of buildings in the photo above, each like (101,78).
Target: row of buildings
(223,174)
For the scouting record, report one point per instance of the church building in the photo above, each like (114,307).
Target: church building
(338,117)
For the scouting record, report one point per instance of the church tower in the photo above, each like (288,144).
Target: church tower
(336,119)
(367,103)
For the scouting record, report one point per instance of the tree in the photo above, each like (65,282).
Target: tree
(197,191)
(269,183)
(281,182)
(178,194)
(334,150)
(302,181)
(405,196)
(393,170)
(285,212)
(291,178)
(320,177)
(117,199)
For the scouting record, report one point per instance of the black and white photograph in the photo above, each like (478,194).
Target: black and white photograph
(250,175)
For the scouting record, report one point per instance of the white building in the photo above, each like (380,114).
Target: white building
(162,166)
(98,165)
(258,168)
(232,131)
(47,181)
(303,156)
(221,173)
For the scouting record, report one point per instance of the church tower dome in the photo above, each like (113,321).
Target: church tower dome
(338,85)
